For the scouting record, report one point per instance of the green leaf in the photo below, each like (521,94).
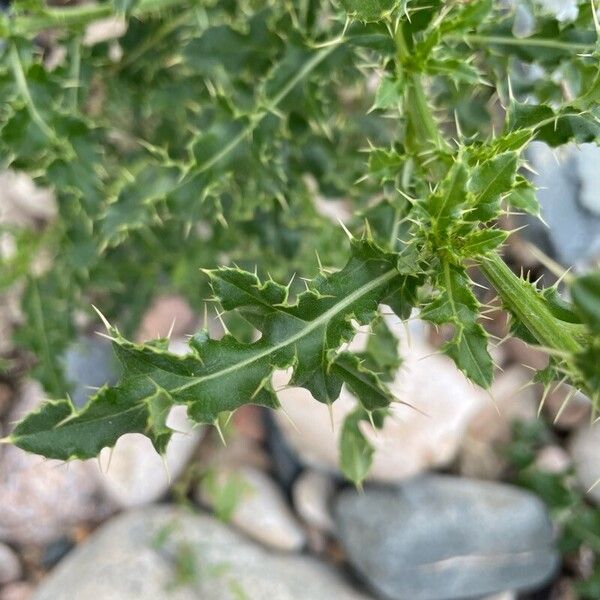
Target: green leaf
(555,127)
(523,197)
(585,292)
(493,177)
(381,354)
(222,375)
(369,10)
(364,383)
(481,242)
(356,453)
(57,431)
(456,304)
(124,6)
(389,94)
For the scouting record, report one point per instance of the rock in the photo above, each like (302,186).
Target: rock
(89,363)
(524,354)
(444,538)
(410,441)
(508,595)
(239,451)
(55,551)
(136,474)
(584,448)
(566,182)
(256,506)
(286,464)
(104,30)
(248,422)
(6,395)
(10,567)
(17,591)
(139,555)
(165,313)
(22,203)
(587,163)
(312,493)
(553,459)
(563,10)
(482,449)
(40,500)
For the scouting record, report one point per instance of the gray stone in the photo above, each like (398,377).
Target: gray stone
(564,181)
(10,567)
(135,556)
(584,448)
(312,493)
(444,538)
(89,363)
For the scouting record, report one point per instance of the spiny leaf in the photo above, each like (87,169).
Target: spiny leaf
(356,452)
(57,431)
(522,197)
(369,10)
(222,375)
(585,291)
(456,304)
(489,181)
(481,242)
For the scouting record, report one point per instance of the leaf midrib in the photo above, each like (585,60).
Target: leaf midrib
(315,324)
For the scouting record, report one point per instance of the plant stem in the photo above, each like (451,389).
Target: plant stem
(21,81)
(513,41)
(417,110)
(521,299)
(78,16)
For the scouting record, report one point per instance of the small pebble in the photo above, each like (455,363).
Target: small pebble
(10,566)
(20,590)
(312,493)
(255,505)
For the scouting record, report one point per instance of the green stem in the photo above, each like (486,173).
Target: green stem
(417,110)
(75,72)
(513,41)
(152,40)
(520,299)
(21,81)
(420,115)
(78,16)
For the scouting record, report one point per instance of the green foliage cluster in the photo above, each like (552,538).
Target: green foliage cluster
(577,522)
(218,136)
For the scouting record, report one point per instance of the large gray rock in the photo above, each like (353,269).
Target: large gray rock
(444,538)
(138,556)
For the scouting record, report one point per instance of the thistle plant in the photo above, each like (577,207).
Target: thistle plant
(206,142)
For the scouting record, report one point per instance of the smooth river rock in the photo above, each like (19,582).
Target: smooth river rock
(141,555)
(444,538)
